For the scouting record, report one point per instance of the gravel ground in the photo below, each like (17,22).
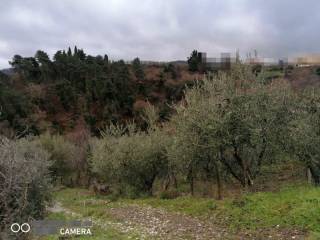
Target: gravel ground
(163,225)
(155,223)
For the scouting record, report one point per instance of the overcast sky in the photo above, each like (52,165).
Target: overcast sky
(159,29)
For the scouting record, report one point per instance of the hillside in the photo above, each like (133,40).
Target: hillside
(75,91)
(237,159)
(78,91)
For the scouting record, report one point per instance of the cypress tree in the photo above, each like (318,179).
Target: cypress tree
(75,50)
(106,58)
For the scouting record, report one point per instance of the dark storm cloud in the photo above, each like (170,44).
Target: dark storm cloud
(159,30)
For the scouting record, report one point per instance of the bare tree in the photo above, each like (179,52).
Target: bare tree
(24,182)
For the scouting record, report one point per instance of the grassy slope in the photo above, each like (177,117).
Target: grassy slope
(297,207)
(293,207)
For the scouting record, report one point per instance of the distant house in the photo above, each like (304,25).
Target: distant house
(307,60)
(224,62)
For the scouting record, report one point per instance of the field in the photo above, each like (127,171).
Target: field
(293,212)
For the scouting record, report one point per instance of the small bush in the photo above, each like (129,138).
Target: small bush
(256,69)
(62,155)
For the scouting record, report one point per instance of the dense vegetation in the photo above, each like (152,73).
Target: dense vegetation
(226,130)
(75,89)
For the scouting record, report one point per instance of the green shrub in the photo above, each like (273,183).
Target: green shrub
(130,160)
(256,69)
(62,155)
(170,68)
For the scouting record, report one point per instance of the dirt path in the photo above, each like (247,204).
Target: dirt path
(155,223)
(160,224)
(165,225)
(57,208)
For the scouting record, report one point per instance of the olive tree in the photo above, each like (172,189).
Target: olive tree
(305,131)
(231,123)
(129,159)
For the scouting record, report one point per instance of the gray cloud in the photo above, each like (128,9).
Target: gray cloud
(159,30)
